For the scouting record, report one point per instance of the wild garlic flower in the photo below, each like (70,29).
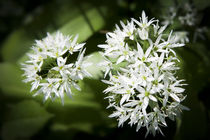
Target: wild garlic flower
(140,63)
(50,68)
(187,16)
(170,15)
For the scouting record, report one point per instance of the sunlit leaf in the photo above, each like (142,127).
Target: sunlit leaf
(11,82)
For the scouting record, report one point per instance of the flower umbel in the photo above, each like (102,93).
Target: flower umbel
(187,17)
(140,64)
(50,68)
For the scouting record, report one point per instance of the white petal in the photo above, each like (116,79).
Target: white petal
(153,98)
(146,102)
(144,19)
(124,98)
(176,98)
(165,100)
(75,40)
(162,29)
(115,114)
(158,39)
(68,91)
(178,89)
(104,46)
(140,50)
(79,46)
(148,51)
(140,96)
(160,62)
(120,59)
(76,86)
(140,89)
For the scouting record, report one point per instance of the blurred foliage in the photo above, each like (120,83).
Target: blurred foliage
(24,120)
(85,115)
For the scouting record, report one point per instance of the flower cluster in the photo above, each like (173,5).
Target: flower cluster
(188,17)
(140,66)
(50,69)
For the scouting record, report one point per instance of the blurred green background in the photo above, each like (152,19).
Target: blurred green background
(23,117)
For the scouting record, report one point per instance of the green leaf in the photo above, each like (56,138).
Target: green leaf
(11,81)
(80,126)
(84,25)
(16,44)
(95,70)
(24,120)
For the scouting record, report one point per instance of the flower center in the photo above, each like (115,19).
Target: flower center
(146,93)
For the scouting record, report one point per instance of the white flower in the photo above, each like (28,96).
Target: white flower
(141,55)
(181,36)
(73,46)
(127,29)
(79,70)
(62,67)
(124,54)
(199,33)
(121,113)
(187,15)
(143,89)
(143,33)
(50,69)
(107,64)
(49,89)
(143,23)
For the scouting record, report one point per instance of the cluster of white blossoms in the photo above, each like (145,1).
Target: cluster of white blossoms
(140,66)
(50,69)
(187,15)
